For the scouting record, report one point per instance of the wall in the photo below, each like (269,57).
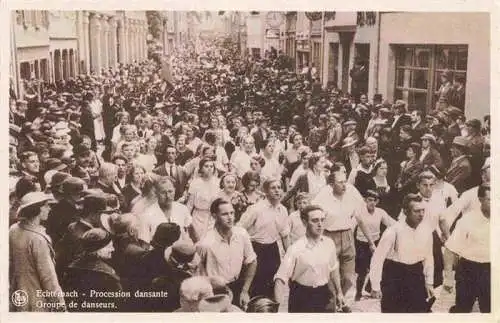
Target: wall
(255,37)
(441,28)
(62,24)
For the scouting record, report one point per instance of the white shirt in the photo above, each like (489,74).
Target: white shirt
(309,263)
(297,227)
(316,183)
(401,243)
(272,169)
(265,223)
(153,216)
(434,208)
(194,144)
(241,162)
(372,223)
(220,258)
(296,173)
(472,237)
(340,212)
(467,202)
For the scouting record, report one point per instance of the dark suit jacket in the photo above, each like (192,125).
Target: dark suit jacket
(458,174)
(129,194)
(259,138)
(457,98)
(418,131)
(403,120)
(302,185)
(433,158)
(180,178)
(69,247)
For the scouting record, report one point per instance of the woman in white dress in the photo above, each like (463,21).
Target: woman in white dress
(96,108)
(202,191)
(272,168)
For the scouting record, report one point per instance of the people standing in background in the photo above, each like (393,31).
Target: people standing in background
(445,92)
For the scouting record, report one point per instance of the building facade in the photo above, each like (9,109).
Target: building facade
(349,37)
(58,45)
(30,35)
(412,56)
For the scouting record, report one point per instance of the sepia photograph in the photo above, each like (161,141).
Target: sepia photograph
(249,161)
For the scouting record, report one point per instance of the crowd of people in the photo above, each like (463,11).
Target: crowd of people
(220,183)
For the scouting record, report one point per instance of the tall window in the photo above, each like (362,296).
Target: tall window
(418,69)
(25,70)
(316,54)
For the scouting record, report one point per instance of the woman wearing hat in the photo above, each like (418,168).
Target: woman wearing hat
(430,155)
(92,275)
(31,257)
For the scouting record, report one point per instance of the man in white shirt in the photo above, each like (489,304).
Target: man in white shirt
(340,205)
(402,266)
(311,268)
(473,272)
(165,210)
(226,251)
(267,222)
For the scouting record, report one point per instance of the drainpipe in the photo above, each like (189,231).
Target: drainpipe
(377,57)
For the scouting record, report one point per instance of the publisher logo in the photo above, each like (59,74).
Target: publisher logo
(19,298)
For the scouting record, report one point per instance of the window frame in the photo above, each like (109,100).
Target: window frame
(431,70)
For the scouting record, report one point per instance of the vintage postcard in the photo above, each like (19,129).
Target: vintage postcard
(268,161)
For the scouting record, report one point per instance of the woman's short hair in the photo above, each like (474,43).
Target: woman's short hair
(267,183)
(203,161)
(264,143)
(249,177)
(260,160)
(379,162)
(417,149)
(131,170)
(221,184)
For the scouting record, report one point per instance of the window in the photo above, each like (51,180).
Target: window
(19,17)
(316,54)
(333,64)
(25,70)
(44,69)
(418,70)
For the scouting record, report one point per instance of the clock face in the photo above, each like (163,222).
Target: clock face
(274,19)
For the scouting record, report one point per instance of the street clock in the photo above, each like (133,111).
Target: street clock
(274,19)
